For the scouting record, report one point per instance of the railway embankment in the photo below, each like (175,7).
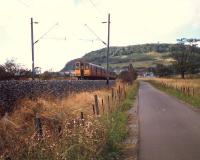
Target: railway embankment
(13,91)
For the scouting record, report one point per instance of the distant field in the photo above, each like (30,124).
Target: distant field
(192,83)
(187,90)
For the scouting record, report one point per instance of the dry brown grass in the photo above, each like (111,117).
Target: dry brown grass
(64,133)
(189,86)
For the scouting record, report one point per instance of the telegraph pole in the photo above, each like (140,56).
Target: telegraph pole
(108,48)
(32,46)
(34,42)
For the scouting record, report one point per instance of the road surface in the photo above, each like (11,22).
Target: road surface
(169,129)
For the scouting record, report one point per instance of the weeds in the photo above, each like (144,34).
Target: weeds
(116,124)
(65,135)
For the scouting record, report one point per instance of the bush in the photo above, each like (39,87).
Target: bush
(128,76)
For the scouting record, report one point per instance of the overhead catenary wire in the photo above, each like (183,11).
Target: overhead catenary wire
(25,4)
(89,40)
(97,9)
(56,38)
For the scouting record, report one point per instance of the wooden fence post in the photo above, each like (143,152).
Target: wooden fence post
(108,104)
(93,108)
(112,94)
(82,118)
(119,93)
(188,91)
(96,104)
(38,124)
(103,108)
(124,91)
(193,92)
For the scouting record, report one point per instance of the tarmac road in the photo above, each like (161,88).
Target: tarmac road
(169,129)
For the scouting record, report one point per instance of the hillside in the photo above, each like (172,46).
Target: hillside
(141,56)
(69,65)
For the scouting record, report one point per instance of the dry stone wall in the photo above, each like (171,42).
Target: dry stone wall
(12,91)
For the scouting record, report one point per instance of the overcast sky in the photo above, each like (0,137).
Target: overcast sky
(132,22)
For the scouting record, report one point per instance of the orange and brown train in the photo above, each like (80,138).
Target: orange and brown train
(84,70)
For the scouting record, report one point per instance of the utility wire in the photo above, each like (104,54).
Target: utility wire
(94,5)
(89,40)
(56,38)
(20,1)
(95,34)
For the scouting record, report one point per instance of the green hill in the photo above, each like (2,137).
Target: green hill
(141,56)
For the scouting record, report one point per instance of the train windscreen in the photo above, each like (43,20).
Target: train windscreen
(77,65)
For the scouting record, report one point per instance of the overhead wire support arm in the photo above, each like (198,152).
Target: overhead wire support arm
(95,34)
(46,33)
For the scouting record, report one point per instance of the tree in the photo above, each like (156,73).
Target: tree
(11,67)
(132,72)
(161,70)
(12,70)
(186,57)
(128,75)
(24,73)
(3,74)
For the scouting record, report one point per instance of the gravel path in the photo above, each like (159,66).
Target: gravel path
(169,129)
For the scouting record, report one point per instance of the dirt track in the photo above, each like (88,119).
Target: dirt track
(169,129)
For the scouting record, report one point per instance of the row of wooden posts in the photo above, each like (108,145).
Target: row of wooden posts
(116,97)
(189,91)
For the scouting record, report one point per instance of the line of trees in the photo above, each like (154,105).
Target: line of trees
(186,55)
(11,70)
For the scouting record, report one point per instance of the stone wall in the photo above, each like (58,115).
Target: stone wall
(12,91)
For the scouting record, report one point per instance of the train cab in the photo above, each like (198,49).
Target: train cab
(84,70)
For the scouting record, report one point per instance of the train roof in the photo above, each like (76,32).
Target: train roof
(95,65)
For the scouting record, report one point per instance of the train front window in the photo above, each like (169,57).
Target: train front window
(78,65)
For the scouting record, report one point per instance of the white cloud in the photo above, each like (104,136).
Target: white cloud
(132,22)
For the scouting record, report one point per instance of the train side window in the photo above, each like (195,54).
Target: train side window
(86,66)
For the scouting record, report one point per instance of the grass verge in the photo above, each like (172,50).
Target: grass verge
(193,100)
(116,124)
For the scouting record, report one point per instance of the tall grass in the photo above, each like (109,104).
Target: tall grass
(116,124)
(65,134)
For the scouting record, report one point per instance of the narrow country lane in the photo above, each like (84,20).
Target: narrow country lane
(169,129)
